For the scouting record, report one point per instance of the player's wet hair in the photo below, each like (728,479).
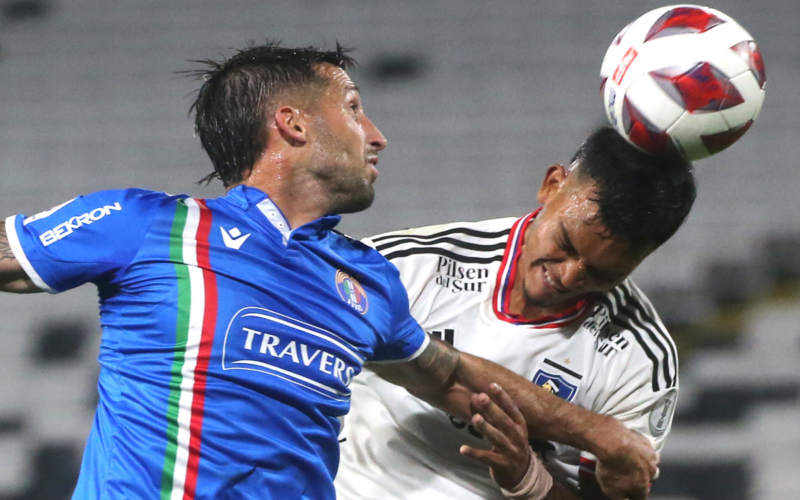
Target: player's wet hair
(238,94)
(642,199)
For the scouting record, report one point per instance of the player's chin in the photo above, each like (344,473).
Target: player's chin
(546,296)
(542,297)
(355,201)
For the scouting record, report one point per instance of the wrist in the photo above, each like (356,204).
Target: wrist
(535,484)
(606,439)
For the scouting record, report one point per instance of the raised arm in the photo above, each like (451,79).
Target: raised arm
(447,378)
(12,277)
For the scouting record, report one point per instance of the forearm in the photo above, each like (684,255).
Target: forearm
(447,378)
(548,416)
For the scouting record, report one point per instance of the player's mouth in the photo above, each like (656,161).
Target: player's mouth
(550,282)
(372,161)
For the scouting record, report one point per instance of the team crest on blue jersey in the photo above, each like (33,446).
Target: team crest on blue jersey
(555,384)
(352,292)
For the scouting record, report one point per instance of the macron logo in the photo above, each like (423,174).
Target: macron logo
(235,239)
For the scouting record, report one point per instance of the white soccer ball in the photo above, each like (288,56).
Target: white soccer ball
(683,78)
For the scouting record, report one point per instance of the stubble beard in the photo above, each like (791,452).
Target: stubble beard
(346,194)
(343,174)
(353,200)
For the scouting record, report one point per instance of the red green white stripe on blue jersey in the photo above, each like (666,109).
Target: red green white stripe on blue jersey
(194,336)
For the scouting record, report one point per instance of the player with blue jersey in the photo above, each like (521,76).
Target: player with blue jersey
(177,317)
(233,327)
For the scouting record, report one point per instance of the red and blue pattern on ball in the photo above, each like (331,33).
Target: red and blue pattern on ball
(642,132)
(682,20)
(701,88)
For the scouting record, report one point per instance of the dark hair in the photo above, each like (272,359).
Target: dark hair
(237,96)
(642,199)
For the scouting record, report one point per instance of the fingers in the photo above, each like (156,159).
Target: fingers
(500,412)
(489,457)
(504,401)
(501,423)
(507,442)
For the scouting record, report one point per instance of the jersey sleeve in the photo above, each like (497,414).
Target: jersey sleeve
(406,340)
(641,381)
(87,239)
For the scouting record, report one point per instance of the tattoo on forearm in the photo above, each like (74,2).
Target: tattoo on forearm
(441,361)
(5,248)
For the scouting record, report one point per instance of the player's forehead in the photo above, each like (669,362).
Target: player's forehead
(579,203)
(340,84)
(579,221)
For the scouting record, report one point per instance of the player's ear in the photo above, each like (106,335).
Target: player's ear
(291,125)
(553,179)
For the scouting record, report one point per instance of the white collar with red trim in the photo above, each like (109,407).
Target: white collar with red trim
(505,282)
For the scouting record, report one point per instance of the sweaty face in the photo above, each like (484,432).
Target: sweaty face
(567,252)
(346,145)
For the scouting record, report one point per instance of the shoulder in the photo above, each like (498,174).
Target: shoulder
(133,195)
(357,249)
(626,321)
(470,242)
(128,199)
(124,204)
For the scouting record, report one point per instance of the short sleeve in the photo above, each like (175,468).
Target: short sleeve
(648,413)
(83,240)
(632,399)
(406,340)
(640,408)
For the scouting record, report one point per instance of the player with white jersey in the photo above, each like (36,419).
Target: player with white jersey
(587,334)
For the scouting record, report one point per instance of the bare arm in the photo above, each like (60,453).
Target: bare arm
(12,277)
(447,378)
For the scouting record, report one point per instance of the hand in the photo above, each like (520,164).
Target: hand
(498,418)
(629,467)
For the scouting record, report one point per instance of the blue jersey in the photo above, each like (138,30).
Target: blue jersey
(229,340)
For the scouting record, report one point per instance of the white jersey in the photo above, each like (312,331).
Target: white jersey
(610,355)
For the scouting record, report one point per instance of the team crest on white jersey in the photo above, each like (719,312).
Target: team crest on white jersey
(555,384)
(352,292)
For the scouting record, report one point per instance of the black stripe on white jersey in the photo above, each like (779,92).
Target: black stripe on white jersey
(458,249)
(629,310)
(455,230)
(615,318)
(445,253)
(656,329)
(461,244)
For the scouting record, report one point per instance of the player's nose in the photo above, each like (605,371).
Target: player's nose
(374,136)
(573,274)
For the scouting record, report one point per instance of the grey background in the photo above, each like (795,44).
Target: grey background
(89,100)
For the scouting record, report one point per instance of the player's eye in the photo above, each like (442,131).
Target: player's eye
(564,246)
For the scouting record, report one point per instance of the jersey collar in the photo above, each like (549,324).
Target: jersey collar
(248,196)
(505,282)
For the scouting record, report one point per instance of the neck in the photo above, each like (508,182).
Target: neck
(297,194)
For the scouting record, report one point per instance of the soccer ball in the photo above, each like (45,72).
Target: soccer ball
(683,78)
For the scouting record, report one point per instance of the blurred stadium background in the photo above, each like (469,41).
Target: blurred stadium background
(477,98)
